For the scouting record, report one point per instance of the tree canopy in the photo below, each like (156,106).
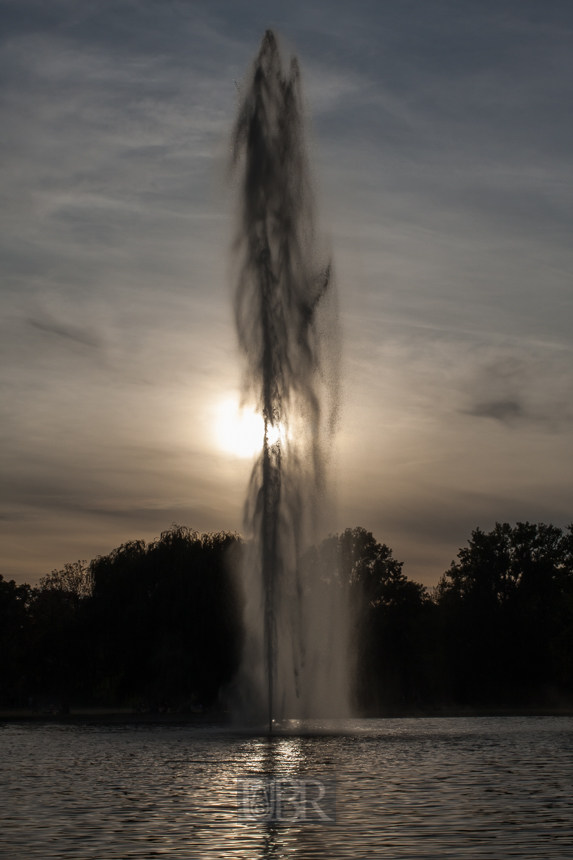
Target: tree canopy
(160,625)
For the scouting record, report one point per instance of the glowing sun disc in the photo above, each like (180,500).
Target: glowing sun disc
(239,431)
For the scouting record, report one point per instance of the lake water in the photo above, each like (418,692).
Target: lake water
(406,788)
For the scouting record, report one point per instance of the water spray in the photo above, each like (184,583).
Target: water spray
(283,280)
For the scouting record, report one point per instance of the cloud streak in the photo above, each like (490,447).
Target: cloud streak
(77,334)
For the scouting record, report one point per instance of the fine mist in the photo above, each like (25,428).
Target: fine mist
(296,651)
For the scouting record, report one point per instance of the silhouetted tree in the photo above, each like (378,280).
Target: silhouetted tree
(15,603)
(507,610)
(58,636)
(74,580)
(392,618)
(167,617)
(161,623)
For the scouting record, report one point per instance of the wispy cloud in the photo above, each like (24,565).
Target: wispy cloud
(79,334)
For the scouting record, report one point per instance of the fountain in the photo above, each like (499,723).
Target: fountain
(295,656)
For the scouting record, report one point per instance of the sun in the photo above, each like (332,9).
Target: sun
(239,431)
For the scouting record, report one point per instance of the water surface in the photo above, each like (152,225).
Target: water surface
(406,788)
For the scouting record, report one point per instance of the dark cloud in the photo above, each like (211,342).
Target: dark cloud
(502,410)
(520,388)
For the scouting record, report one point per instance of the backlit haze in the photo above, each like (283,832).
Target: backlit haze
(442,157)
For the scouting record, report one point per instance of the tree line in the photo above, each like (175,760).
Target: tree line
(159,626)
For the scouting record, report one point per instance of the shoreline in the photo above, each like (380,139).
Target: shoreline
(118,716)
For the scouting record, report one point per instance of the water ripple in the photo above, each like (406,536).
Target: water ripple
(441,788)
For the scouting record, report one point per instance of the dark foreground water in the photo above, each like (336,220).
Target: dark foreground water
(415,788)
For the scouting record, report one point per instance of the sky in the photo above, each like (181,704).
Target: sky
(440,137)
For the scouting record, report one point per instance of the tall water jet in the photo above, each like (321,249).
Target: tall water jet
(294,661)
